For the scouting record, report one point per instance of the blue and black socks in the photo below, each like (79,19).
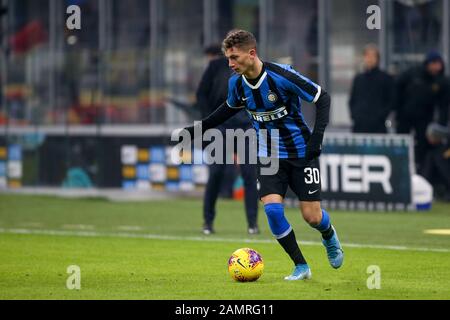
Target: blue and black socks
(290,245)
(283,232)
(325,227)
(285,235)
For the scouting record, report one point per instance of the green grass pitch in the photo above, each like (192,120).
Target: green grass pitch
(154,250)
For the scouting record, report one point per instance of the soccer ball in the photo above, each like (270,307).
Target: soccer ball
(245,265)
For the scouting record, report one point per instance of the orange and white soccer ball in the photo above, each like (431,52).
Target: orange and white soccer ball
(245,265)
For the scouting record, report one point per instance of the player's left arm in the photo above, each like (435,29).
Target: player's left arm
(314,145)
(311,92)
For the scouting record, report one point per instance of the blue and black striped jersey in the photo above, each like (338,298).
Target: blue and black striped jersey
(274,102)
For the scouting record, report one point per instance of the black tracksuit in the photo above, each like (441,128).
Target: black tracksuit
(211,93)
(418,96)
(371,101)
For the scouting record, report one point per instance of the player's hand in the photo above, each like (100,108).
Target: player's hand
(313,148)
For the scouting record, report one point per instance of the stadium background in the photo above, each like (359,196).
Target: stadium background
(71,98)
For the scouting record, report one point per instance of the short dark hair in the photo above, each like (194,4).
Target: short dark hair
(240,39)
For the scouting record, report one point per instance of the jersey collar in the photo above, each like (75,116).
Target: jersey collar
(260,81)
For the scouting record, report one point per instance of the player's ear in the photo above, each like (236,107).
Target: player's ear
(252,53)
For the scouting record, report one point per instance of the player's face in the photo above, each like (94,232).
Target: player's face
(240,60)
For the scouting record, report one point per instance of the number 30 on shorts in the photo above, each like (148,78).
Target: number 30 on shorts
(312,175)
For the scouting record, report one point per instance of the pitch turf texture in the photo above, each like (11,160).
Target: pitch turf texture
(154,250)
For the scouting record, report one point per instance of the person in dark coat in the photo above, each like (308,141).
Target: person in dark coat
(212,91)
(422,94)
(437,161)
(371,95)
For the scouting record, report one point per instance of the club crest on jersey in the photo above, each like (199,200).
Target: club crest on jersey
(272,97)
(269,115)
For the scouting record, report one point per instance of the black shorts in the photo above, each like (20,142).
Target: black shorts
(304,179)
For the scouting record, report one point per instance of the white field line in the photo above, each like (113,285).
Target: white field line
(78,226)
(209,239)
(31,225)
(130,228)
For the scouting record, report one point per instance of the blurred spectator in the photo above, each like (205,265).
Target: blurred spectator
(77,178)
(31,35)
(77,173)
(416,25)
(3,12)
(2,112)
(420,92)
(371,95)
(437,161)
(211,93)
(312,34)
(2,102)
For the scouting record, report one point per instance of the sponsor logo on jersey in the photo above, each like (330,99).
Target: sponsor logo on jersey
(269,116)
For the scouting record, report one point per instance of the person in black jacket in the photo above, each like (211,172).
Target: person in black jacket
(371,95)
(437,161)
(212,91)
(421,91)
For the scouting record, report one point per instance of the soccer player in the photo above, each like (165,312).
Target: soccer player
(271,94)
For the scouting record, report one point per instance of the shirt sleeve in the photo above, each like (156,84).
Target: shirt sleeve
(233,99)
(302,86)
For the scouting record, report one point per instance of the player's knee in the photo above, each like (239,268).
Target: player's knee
(313,220)
(311,213)
(272,198)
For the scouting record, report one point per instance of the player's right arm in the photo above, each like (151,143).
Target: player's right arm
(224,112)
